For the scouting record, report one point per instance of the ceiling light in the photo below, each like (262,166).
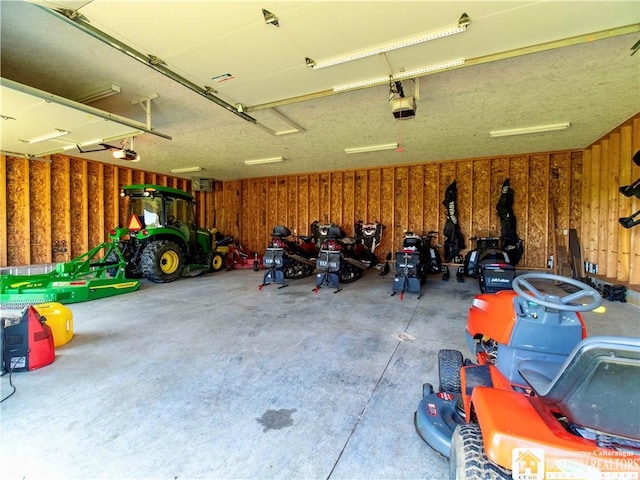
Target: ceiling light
(525,130)
(99,94)
(260,161)
(399,76)
(460,27)
(372,148)
(186,170)
(49,136)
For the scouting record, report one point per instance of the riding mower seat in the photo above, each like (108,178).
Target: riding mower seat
(596,387)
(280,231)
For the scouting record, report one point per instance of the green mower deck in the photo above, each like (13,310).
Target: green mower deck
(79,280)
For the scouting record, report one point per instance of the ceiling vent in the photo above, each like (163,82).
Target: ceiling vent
(202,184)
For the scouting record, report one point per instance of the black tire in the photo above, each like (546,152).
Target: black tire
(348,273)
(215,260)
(130,270)
(112,258)
(295,270)
(467,460)
(162,261)
(449,364)
(256,267)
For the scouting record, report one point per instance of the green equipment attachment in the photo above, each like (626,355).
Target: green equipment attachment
(87,277)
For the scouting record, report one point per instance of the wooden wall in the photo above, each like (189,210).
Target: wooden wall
(607,166)
(409,197)
(71,203)
(54,211)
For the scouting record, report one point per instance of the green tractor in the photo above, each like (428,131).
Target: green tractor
(162,241)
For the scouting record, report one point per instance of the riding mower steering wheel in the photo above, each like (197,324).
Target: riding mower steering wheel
(522,286)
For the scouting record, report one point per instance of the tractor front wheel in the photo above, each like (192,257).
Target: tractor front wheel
(467,460)
(215,260)
(162,261)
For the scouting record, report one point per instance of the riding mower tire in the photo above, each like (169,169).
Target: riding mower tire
(449,364)
(467,460)
(162,261)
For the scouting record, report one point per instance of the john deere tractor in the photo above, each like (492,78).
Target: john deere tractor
(162,241)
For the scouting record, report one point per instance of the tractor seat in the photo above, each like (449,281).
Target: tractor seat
(597,387)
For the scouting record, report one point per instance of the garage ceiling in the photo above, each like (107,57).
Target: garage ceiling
(253,95)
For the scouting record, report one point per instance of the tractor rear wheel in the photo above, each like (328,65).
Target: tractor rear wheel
(130,270)
(449,364)
(162,261)
(467,460)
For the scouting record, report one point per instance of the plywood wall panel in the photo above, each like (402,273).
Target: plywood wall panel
(624,203)
(415,198)
(79,207)
(613,180)
(324,198)
(387,195)
(519,180)
(303,205)
(233,203)
(61,208)
(272,202)
(292,205)
(537,226)
(594,202)
(634,264)
(314,198)
(559,192)
(95,185)
(373,196)
(360,194)
(348,198)
(110,198)
(603,202)
(40,211)
(3,210)
(283,206)
(400,200)
(137,177)
(337,199)
(18,204)
(575,196)
(464,171)
(481,194)
(499,173)
(585,223)
(432,200)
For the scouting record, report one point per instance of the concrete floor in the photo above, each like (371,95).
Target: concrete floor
(209,377)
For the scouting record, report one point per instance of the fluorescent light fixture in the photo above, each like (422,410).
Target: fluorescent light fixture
(260,161)
(462,25)
(49,136)
(99,94)
(186,170)
(399,76)
(525,130)
(372,148)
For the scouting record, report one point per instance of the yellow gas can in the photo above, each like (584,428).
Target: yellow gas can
(60,319)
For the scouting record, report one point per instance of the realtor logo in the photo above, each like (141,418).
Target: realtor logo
(527,464)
